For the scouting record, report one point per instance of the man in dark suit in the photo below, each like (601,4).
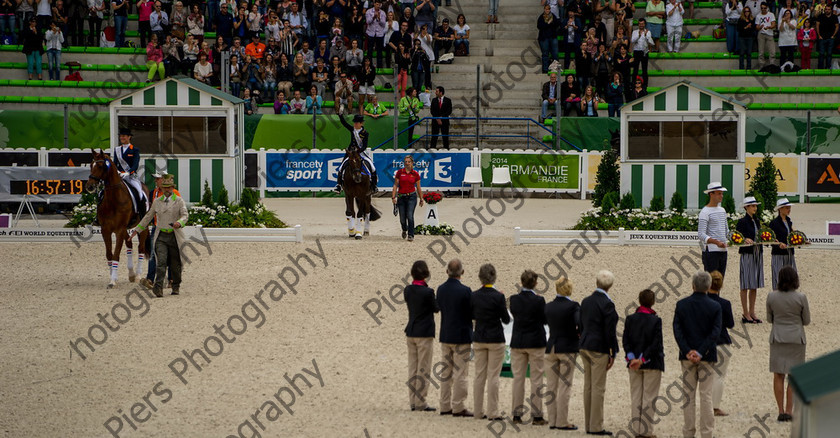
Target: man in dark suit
(642,342)
(441,107)
(527,346)
(420,333)
(598,348)
(454,299)
(563,318)
(550,96)
(697,325)
(723,342)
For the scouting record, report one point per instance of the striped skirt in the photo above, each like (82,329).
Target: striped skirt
(752,271)
(777,263)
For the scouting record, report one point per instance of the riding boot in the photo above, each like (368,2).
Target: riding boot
(339,178)
(373,180)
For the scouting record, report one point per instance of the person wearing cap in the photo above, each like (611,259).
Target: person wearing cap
(359,139)
(127,158)
(170,212)
(781,254)
(150,273)
(713,230)
(752,260)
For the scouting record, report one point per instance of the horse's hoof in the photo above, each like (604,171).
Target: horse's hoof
(358,237)
(351,235)
(367,233)
(110,286)
(131,278)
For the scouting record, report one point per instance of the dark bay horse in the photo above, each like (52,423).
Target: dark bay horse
(360,210)
(116,215)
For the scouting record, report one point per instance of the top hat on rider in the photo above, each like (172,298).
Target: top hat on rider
(358,121)
(126,156)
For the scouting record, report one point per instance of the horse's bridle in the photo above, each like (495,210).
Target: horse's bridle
(96,178)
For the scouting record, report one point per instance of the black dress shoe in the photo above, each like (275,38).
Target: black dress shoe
(602,433)
(539,421)
(464,413)
(781,417)
(445,412)
(428,409)
(517,420)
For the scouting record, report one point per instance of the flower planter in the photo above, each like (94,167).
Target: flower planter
(431,217)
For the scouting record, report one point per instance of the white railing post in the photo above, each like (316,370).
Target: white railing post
(802,181)
(298,234)
(621,239)
(516,234)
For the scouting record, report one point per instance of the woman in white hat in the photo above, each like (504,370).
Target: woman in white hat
(752,260)
(713,230)
(781,254)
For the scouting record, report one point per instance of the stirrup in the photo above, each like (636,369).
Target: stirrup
(337,188)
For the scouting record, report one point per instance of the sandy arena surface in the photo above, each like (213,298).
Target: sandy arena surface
(52,294)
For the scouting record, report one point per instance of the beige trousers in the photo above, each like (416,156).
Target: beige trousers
(698,376)
(723,352)
(560,373)
(453,377)
(419,365)
(520,358)
(644,388)
(594,386)
(488,365)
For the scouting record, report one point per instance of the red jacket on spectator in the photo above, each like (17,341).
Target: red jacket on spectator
(144,10)
(255,50)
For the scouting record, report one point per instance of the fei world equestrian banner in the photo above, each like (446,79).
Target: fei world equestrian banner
(316,170)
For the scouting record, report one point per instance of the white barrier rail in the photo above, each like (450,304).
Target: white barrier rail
(624,237)
(94,234)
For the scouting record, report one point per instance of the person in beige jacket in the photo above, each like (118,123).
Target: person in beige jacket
(171,212)
(787,310)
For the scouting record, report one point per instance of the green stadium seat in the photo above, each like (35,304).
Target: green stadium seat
(64,100)
(29,99)
(18,82)
(10,48)
(74,49)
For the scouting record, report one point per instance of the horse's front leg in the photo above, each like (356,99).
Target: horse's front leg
(367,217)
(121,236)
(109,255)
(142,251)
(129,254)
(350,214)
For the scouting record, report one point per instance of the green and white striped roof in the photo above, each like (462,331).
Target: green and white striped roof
(178,91)
(683,96)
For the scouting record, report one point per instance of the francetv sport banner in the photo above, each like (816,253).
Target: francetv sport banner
(538,171)
(316,170)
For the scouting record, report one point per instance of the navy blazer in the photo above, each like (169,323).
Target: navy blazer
(643,337)
(489,310)
(598,320)
(727,320)
(781,235)
(528,310)
(697,325)
(421,311)
(747,226)
(454,301)
(563,317)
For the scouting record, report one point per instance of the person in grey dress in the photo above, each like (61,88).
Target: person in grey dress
(752,260)
(787,310)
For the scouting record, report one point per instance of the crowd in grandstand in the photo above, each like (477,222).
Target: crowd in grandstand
(611,53)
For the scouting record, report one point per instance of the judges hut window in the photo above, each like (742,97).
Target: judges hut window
(682,140)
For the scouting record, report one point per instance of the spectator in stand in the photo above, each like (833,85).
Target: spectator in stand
(555,7)
(320,76)
(624,15)
(223,25)
(606,9)
(255,20)
(195,24)
(335,69)
(366,87)
(550,95)
(314,102)
(154,60)
(645,356)
(601,63)
(190,50)
(280,104)
(322,52)
(375,32)
(120,10)
(298,105)
(426,42)
(787,5)
(589,103)
(54,39)
(655,16)
(570,95)
(572,32)
(235,78)
(250,103)
(374,108)
(408,17)
(583,65)
(343,93)
(424,13)
(639,89)
(391,27)
(402,35)
(76,13)
(492,13)
(547,36)
(237,49)
(255,49)
(827,26)
(402,61)
(240,24)
(297,21)
(33,47)
(288,40)
(353,58)
(144,12)
(300,71)
(273,49)
(8,25)
(806,37)
(213,8)
(462,36)
(804,12)
(203,70)
(285,75)
(419,64)
(268,75)
(592,41)
(621,39)
(322,26)
(642,41)
(354,27)
(95,14)
(445,36)
(159,21)
(178,20)
(172,56)
(43,14)
(600,29)
(272,28)
(409,107)
(787,37)
(746,38)
(251,73)
(338,51)
(732,12)
(765,25)
(336,8)
(674,24)
(621,64)
(615,95)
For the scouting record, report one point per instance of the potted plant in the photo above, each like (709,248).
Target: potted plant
(432,199)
